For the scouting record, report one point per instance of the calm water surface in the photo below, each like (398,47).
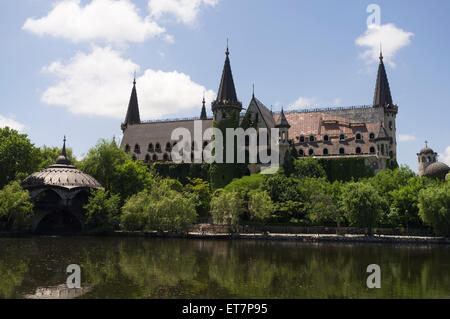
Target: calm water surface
(177,268)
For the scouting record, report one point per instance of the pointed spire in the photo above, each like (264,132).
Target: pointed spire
(133,116)
(203,114)
(63,159)
(253,93)
(382,97)
(282,121)
(63,153)
(227,91)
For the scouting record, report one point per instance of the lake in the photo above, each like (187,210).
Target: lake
(182,268)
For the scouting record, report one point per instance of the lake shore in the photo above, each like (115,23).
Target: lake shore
(345,238)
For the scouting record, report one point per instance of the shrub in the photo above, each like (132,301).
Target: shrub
(101,210)
(226,207)
(260,206)
(16,208)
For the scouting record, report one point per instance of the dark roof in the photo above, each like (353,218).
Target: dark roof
(265,113)
(382,95)
(426,150)
(133,116)
(62,174)
(203,115)
(282,121)
(437,169)
(227,91)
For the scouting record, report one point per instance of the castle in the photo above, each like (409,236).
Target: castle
(367,132)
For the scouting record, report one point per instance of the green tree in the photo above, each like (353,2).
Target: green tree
(200,191)
(362,204)
(102,161)
(16,208)
(226,207)
(323,204)
(129,178)
(308,167)
(260,206)
(18,156)
(101,210)
(434,207)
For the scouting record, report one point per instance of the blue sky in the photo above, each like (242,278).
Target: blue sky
(67,66)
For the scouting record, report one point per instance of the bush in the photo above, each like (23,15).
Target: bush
(226,207)
(434,207)
(260,206)
(308,167)
(16,208)
(101,211)
(362,204)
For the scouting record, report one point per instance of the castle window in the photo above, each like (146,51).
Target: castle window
(326,138)
(165,157)
(342,137)
(382,149)
(358,150)
(372,149)
(155,157)
(311,138)
(358,136)
(390,125)
(168,147)
(127,148)
(325,151)
(372,136)
(302,139)
(341,151)
(150,147)
(300,152)
(137,148)
(311,151)
(158,147)
(147,158)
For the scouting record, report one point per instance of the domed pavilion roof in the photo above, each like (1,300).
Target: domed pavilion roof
(437,169)
(62,174)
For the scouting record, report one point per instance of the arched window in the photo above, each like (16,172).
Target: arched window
(341,137)
(168,147)
(390,125)
(424,159)
(326,138)
(150,147)
(382,149)
(137,148)
(166,157)
(311,138)
(302,139)
(372,136)
(155,157)
(147,158)
(358,150)
(311,152)
(358,136)
(301,152)
(341,151)
(158,147)
(372,149)
(429,159)
(127,148)
(325,151)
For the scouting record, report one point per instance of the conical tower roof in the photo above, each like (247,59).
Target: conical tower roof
(133,116)
(382,95)
(227,91)
(282,121)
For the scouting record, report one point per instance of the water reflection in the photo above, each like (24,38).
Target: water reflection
(172,268)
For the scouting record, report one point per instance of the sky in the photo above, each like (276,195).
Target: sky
(67,66)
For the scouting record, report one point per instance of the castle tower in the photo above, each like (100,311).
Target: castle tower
(283,125)
(203,115)
(426,157)
(383,99)
(132,116)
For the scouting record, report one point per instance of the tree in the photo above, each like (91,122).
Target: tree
(16,208)
(308,167)
(260,206)
(200,191)
(226,207)
(102,160)
(129,178)
(18,156)
(362,204)
(101,210)
(434,207)
(323,205)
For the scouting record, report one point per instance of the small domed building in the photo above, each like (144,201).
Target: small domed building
(429,166)
(59,194)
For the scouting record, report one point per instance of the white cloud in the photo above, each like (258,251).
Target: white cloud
(106,20)
(99,84)
(406,138)
(185,11)
(389,36)
(446,156)
(11,123)
(303,103)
